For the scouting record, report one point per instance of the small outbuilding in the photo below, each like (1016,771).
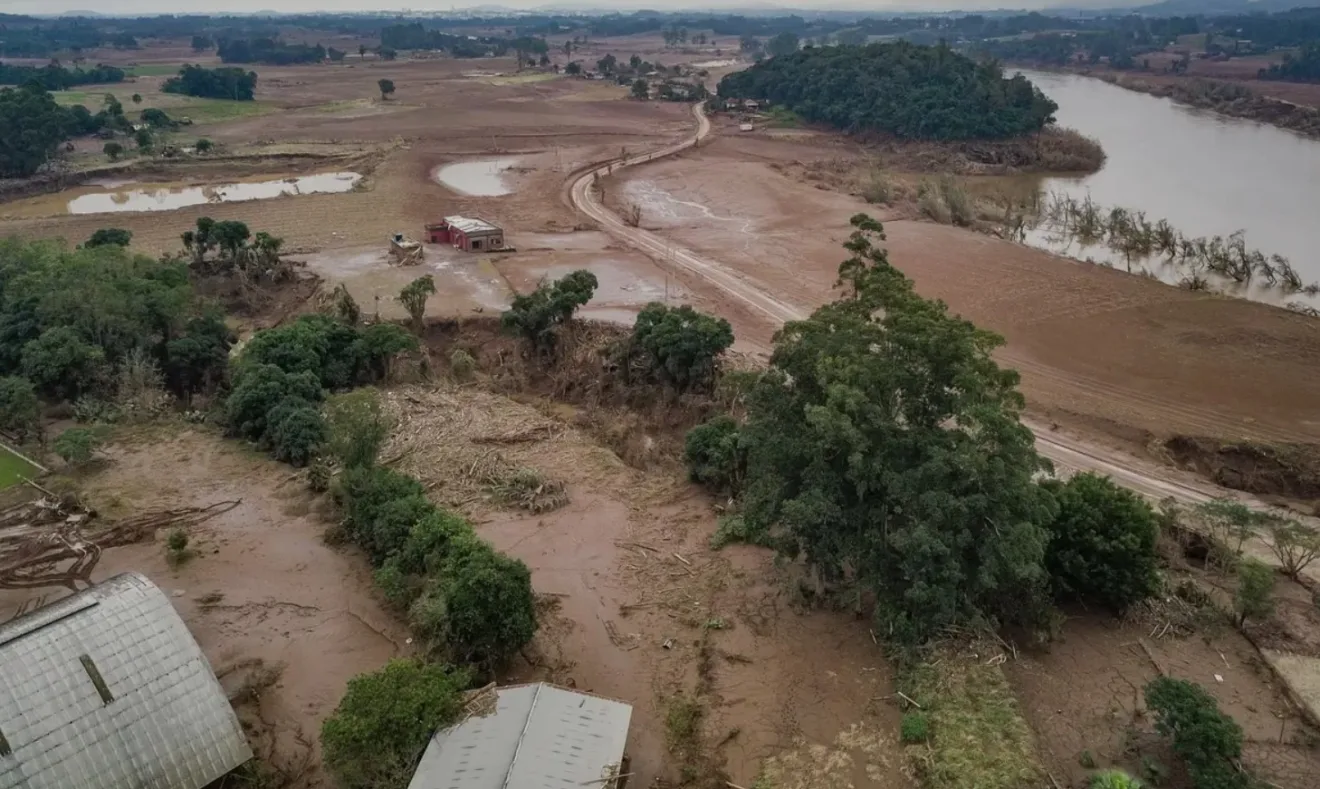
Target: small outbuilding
(466,233)
(107,689)
(536,736)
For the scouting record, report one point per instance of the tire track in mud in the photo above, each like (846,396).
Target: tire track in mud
(1066,452)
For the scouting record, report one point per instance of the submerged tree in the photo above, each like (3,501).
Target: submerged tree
(883,445)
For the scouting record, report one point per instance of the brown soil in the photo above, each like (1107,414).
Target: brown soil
(1084,696)
(1095,347)
(263,592)
(1291,470)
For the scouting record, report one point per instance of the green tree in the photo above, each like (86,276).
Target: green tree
(786,43)
(379,344)
(715,456)
(198,360)
(1254,599)
(386,88)
(363,492)
(573,68)
(113,150)
(413,298)
(259,389)
(157,119)
(381,726)
(1102,543)
(142,137)
(387,53)
(1206,739)
(204,145)
(110,235)
(32,127)
(61,363)
(641,90)
(482,610)
(538,315)
(20,411)
(1295,545)
(681,345)
(883,445)
(358,426)
(77,445)
(296,430)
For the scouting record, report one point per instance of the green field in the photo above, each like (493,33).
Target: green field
(155,69)
(199,110)
(12,467)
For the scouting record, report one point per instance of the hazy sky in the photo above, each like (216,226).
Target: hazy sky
(247,6)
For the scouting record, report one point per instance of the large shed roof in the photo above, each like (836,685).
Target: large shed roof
(107,689)
(538,737)
(470,225)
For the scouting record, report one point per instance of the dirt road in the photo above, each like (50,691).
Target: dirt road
(1068,453)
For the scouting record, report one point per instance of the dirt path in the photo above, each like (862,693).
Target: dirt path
(1068,452)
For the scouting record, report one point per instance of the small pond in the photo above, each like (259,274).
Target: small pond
(170,198)
(483,178)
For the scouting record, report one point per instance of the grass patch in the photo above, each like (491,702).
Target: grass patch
(520,79)
(197,110)
(782,118)
(12,467)
(218,110)
(155,69)
(977,738)
(682,723)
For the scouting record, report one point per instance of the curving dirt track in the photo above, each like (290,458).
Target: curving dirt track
(1069,453)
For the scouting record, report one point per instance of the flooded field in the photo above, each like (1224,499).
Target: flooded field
(112,197)
(1206,174)
(484,178)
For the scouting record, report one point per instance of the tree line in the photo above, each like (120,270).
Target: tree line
(1301,67)
(56,77)
(415,36)
(217,83)
(271,51)
(907,90)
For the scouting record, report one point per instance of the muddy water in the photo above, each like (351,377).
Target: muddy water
(1206,174)
(484,178)
(168,198)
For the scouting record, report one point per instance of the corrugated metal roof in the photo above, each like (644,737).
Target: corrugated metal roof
(470,225)
(167,725)
(538,737)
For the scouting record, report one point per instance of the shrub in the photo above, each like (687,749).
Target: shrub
(363,492)
(358,427)
(537,315)
(259,389)
(381,726)
(1114,779)
(715,456)
(955,198)
(113,150)
(296,432)
(400,589)
(1209,741)
(177,542)
(488,610)
(681,344)
(115,236)
(877,189)
(915,727)
(394,522)
(20,410)
(60,363)
(204,145)
(932,205)
(462,364)
(431,540)
(77,444)
(1102,544)
(1254,598)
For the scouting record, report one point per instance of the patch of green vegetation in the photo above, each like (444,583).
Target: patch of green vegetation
(915,727)
(195,109)
(13,467)
(977,736)
(682,723)
(219,110)
(155,69)
(782,118)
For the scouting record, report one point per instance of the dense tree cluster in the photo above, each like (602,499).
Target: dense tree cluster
(1302,67)
(909,91)
(213,83)
(883,446)
(415,36)
(72,319)
(1207,740)
(677,346)
(56,77)
(270,51)
(32,126)
(538,316)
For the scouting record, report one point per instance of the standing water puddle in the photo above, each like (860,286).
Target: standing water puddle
(170,198)
(484,178)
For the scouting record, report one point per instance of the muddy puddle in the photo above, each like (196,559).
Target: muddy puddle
(483,178)
(465,283)
(121,195)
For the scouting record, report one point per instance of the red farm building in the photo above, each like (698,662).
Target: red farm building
(469,235)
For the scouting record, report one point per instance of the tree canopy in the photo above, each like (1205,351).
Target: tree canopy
(213,83)
(883,445)
(55,77)
(32,126)
(910,91)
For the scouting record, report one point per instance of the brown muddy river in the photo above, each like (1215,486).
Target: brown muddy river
(1206,174)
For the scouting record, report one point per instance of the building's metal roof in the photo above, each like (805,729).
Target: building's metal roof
(469,225)
(167,723)
(538,737)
